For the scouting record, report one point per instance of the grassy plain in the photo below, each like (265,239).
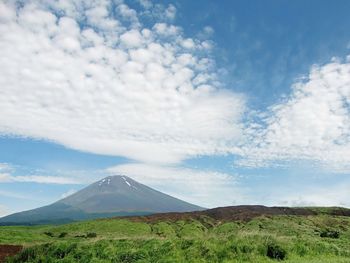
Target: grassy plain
(314,238)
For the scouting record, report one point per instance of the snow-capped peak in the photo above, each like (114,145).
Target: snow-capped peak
(126,181)
(101,182)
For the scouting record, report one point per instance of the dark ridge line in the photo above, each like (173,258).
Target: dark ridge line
(241,213)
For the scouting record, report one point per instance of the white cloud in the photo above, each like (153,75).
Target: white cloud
(206,32)
(313,123)
(108,88)
(147,4)
(68,193)
(45,179)
(15,195)
(164,29)
(128,13)
(131,38)
(5,170)
(330,195)
(188,43)
(158,11)
(170,12)
(3,210)
(205,188)
(5,177)
(8,178)
(5,167)
(7,12)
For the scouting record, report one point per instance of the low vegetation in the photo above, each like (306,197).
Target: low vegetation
(285,238)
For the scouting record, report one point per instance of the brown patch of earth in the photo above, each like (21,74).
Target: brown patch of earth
(8,250)
(235,213)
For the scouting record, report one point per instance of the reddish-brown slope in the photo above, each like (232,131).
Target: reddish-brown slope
(238,213)
(8,250)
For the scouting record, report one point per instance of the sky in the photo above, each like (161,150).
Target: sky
(215,102)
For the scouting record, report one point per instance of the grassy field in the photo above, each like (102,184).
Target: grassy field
(320,238)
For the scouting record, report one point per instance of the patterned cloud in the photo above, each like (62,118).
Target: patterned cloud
(312,123)
(88,75)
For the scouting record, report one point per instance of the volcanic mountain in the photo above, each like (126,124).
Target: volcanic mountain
(112,196)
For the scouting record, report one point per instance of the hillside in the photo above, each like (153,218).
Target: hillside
(264,234)
(243,213)
(111,196)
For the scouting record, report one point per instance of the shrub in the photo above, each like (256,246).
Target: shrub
(80,236)
(163,229)
(26,255)
(131,256)
(330,234)
(227,229)
(246,249)
(50,234)
(185,243)
(274,251)
(59,250)
(91,235)
(62,235)
(300,249)
(59,253)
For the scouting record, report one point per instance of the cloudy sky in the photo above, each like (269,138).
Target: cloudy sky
(215,102)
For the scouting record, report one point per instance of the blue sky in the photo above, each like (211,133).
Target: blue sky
(217,103)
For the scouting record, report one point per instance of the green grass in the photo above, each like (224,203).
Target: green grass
(296,237)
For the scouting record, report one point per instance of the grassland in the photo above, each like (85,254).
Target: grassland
(312,238)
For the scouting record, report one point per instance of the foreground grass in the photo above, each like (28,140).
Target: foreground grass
(263,239)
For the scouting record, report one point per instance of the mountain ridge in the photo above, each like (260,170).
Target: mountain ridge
(242,213)
(116,195)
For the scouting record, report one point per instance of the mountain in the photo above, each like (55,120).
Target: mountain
(112,196)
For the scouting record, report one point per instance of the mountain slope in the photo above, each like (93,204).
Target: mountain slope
(111,196)
(243,213)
